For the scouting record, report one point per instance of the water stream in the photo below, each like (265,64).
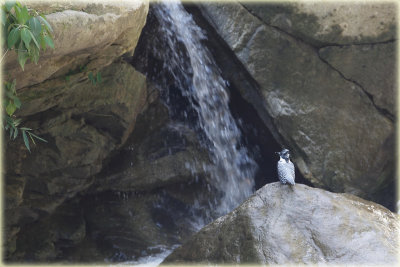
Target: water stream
(232,171)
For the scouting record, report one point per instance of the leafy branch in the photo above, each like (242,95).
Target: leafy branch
(26,32)
(12,103)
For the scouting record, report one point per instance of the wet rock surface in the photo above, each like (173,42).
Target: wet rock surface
(128,226)
(160,152)
(280,224)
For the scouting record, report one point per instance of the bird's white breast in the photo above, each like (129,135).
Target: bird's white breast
(286,170)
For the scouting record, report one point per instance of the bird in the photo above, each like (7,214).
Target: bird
(285,167)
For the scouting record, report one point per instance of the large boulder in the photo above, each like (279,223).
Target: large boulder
(85,34)
(296,225)
(314,109)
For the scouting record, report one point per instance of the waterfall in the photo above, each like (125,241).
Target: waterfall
(232,171)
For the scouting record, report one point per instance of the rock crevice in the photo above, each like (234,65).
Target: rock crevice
(384,111)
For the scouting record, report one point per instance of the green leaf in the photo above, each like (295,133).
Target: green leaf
(98,77)
(30,136)
(11,133)
(34,53)
(9,5)
(46,24)
(26,141)
(23,16)
(91,78)
(10,109)
(22,56)
(42,43)
(26,129)
(37,137)
(17,10)
(17,102)
(16,122)
(13,37)
(26,37)
(35,26)
(34,40)
(15,133)
(10,95)
(49,41)
(9,120)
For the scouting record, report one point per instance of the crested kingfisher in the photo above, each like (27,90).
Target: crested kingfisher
(285,167)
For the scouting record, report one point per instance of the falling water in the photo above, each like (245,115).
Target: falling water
(232,170)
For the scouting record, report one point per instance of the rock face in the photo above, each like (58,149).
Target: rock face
(372,66)
(82,122)
(330,23)
(85,34)
(316,104)
(298,225)
(159,153)
(117,214)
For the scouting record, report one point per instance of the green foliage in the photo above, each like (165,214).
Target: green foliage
(25,31)
(12,103)
(95,80)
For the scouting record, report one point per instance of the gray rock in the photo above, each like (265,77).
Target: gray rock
(319,115)
(158,153)
(125,226)
(371,66)
(43,239)
(85,34)
(296,225)
(82,123)
(330,23)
